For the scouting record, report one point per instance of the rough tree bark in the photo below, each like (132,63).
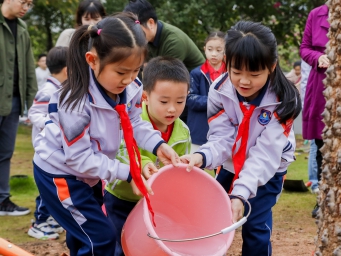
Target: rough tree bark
(328,240)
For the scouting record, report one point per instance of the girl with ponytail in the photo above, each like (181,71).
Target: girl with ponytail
(98,106)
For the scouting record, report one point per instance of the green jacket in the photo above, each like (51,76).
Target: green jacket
(173,42)
(26,67)
(179,140)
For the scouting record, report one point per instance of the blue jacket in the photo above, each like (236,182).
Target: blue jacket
(197,104)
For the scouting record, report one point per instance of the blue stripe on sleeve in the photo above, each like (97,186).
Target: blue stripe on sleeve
(53,108)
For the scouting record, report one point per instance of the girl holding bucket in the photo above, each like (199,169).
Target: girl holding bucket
(250,113)
(100,99)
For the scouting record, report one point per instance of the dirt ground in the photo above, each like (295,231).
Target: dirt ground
(295,241)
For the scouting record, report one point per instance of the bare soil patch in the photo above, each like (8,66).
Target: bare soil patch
(287,241)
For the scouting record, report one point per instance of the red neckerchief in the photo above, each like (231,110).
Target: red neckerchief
(238,157)
(165,135)
(214,74)
(134,154)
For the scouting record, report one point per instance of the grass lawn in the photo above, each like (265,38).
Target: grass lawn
(292,210)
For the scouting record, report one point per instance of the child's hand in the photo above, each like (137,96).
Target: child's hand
(237,209)
(148,170)
(136,191)
(167,155)
(192,160)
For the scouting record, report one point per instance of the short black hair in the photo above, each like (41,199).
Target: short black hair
(41,55)
(164,69)
(92,7)
(56,59)
(297,63)
(143,9)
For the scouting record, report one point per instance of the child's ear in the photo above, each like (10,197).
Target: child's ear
(91,59)
(273,67)
(145,97)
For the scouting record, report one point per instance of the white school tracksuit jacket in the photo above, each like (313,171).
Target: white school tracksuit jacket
(270,146)
(38,113)
(85,143)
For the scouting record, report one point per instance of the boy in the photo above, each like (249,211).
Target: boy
(165,39)
(166,85)
(45,227)
(42,72)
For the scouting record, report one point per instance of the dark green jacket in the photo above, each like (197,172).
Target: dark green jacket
(26,67)
(173,42)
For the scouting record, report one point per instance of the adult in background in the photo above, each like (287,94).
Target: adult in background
(17,85)
(165,39)
(88,12)
(312,51)
(42,72)
(312,165)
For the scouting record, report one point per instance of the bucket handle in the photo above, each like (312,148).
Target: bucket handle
(221,232)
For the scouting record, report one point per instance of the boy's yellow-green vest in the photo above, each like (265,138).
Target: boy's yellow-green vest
(179,140)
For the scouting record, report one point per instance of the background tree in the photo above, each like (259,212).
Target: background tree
(329,216)
(196,18)
(47,19)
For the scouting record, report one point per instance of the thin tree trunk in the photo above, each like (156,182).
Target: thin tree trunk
(328,242)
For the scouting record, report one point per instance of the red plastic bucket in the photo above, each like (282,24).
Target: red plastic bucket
(191,210)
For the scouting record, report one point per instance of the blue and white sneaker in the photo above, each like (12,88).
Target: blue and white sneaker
(54,225)
(42,231)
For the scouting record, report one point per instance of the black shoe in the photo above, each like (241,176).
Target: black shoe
(314,212)
(7,207)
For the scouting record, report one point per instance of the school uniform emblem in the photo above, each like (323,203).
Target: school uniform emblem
(264,117)
(129,106)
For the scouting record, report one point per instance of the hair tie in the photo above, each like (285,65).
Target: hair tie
(90,27)
(99,31)
(137,22)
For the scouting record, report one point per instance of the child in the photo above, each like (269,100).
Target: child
(295,74)
(77,148)
(250,115)
(42,72)
(88,12)
(45,227)
(165,84)
(201,79)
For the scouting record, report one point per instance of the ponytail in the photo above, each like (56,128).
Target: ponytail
(114,39)
(77,82)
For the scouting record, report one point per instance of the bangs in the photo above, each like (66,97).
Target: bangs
(248,53)
(92,11)
(121,54)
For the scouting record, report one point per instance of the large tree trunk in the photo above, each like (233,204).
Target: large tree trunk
(328,242)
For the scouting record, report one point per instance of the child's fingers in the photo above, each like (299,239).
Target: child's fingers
(153,169)
(148,170)
(237,209)
(147,175)
(190,164)
(185,159)
(149,189)
(175,159)
(136,191)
